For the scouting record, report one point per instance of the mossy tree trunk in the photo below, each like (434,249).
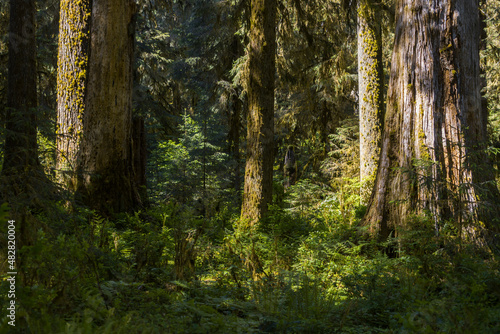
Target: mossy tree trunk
(260,121)
(21,153)
(72,74)
(106,176)
(370,79)
(435,128)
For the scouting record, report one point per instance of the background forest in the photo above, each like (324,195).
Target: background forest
(172,238)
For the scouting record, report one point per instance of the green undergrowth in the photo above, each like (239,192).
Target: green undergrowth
(314,272)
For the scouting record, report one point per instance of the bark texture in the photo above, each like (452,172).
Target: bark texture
(21,154)
(106,180)
(260,122)
(22,182)
(72,71)
(435,127)
(370,79)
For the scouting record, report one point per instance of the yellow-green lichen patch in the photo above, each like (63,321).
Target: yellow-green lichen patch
(72,75)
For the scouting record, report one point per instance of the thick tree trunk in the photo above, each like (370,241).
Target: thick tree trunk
(21,154)
(260,122)
(106,180)
(370,79)
(23,181)
(72,72)
(435,128)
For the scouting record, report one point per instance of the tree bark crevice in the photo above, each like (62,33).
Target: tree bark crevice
(106,176)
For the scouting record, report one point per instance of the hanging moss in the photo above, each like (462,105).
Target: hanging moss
(106,182)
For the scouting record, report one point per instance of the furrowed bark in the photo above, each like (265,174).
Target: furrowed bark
(371,104)
(106,175)
(260,123)
(432,157)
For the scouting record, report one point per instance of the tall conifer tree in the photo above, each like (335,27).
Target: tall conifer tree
(21,153)
(72,73)
(370,78)
(260,124)
(105,167)
(435,126)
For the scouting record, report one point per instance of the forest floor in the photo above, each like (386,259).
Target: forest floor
(167,270)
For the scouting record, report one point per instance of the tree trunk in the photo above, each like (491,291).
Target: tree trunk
(260,122)
(106,180)
(140,157)
(21,153)
(72,71)
(435,128)
(23,181)
(370,78)
(234,137)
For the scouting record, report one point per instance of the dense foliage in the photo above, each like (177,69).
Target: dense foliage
(186,263)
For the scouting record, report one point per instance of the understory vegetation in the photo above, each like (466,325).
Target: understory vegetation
(318,276)
(194,268)
(186,262)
